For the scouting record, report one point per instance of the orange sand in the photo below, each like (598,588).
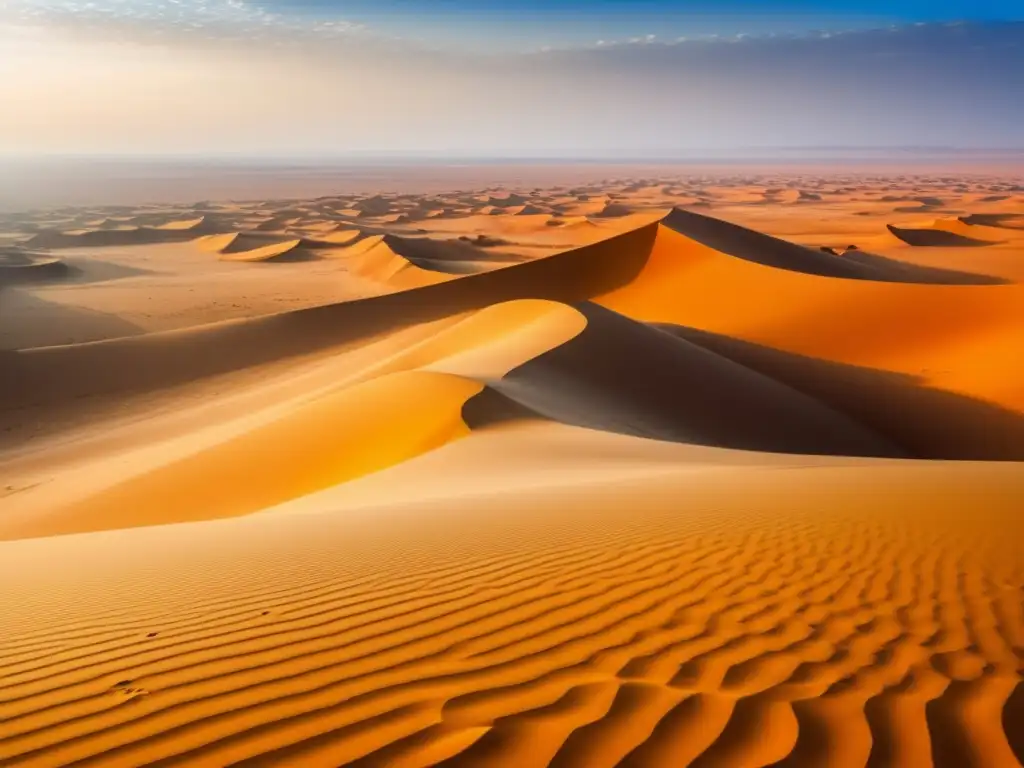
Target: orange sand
(564,477)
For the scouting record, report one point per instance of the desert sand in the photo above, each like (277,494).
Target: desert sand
(712,469)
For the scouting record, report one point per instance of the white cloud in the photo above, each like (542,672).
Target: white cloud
(221,19)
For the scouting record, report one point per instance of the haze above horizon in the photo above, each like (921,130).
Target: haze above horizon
(565,78)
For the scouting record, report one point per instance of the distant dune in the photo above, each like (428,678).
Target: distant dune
(754,246)
(936,237)
(125,234)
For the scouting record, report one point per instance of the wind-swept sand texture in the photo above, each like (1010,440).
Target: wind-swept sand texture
(731,488)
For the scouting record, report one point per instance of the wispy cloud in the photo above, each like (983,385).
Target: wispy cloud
(220,19)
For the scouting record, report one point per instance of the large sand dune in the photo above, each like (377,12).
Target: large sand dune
(643,489)
(24,265)
(754,246)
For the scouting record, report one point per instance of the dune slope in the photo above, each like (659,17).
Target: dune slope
(754,246)
(642,612)
(623,376)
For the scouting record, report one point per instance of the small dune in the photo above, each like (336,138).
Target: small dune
(186,225)
(241,247)
(125,235)
(1004,220)
(613,210)
(340,236)
(407,262)
(935,237)
(288,250)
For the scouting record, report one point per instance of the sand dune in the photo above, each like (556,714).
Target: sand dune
(623,376)
(640,490)
(22,265)
(653,273)
(409,262)
(290,457)
(935,237)
(44,377)
(340,236)
(1005,220)
(925,422)
(287,250)
(686,283)
(121,236)
(754,246)
(282,251)
(241,246)
(381,258)
(189,225)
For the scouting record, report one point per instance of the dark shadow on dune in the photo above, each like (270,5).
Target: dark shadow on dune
(1000,220)
(490,408)
(951,746)
(62,378)
(485,241)
(292,256)
(243,242)
(37,271)
(29,321)
(922,274)
(621,375)
(751,245)
(613,211)
(1013,721)
(924,422)
(82,271)
(109,238)
(447,256)
(936,238)
(302,249)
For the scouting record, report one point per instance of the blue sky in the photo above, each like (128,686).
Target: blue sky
(522,25)
(518,23)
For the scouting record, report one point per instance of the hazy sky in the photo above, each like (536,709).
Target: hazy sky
(601,78)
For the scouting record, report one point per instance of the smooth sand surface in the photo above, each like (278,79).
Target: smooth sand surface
(719,470)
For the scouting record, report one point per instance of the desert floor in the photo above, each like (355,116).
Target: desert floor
(712,469)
